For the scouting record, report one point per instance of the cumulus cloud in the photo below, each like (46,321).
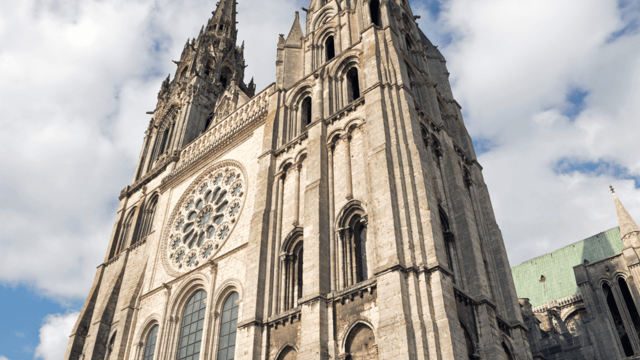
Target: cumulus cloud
(78,77)
(3,358)
(549,89)
(54,336)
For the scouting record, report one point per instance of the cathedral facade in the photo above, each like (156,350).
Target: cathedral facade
(339,213)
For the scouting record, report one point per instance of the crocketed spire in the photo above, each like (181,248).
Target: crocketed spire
(627,224)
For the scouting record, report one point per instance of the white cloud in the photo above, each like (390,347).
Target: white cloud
(78,77)
(54,336)
(3,358)
(512,64)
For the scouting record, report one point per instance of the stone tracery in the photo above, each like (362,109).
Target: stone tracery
(205,217)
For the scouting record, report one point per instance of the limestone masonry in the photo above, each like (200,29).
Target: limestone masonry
(339,213)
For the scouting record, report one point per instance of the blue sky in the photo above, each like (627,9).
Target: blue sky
(548,88)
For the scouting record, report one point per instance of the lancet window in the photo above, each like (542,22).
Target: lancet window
(449,239)
(191,327)
(292,264)
(228,328)
(353,85)
(330,48)
(150,344)
(305,111)
(374,9)
(353,254)
(146,221)
(630,304)
(125,231)
(618,322)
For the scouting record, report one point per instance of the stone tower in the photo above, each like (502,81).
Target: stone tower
(340,213)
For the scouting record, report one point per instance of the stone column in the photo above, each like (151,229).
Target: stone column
(347,152)
(296,197)
(332,216)
(317,271)
(276,291)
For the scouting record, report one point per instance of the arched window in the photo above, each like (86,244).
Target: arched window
(111,345)
(298,254)
(183,74)
(143,159)
(288,353)
(470,347)
(150,344)
(225,77)
(507,351)
(147,220)
(631,306)
(361,343)
(374,9)
(125,230)
(408,41)
(191,327)
(330,48)
(448,237)
(617,320)
(353,85)
(353,248)
(305,111)
(228,328)
(292,265)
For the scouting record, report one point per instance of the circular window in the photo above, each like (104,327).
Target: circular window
(205,217)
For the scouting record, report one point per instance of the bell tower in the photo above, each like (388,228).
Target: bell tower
(210,69)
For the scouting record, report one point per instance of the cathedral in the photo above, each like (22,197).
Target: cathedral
(338,213)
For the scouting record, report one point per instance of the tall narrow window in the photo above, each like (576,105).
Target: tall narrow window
(191,327)
(125,230)
(143,159)
(353,85)
(111,345)
(299,268)
(228,327)
(147,220)
(360,237)
(631,305)
(507,351)
(330,48)
(448,236)
(163,144)
(305,110)
(207,122)
(617,320)
(374,8)
(150,344)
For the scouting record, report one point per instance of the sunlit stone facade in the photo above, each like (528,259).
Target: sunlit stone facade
(339,213)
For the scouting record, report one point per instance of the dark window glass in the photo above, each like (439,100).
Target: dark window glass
(631,305)
(374,7)
(330,48)
(306,111)
(617,320)
(353,84)
(362,238)
(150,344)
(227,343)
(191,328)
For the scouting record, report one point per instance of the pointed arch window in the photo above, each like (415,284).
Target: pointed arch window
(146,224)
(623,334)
(630,304)
(228,328)
(330,48)
(449,240)
(292,264)
(353,85)
(353,249)
(191,327)
(125,230)
(305,111)
(374,9)
(111,345)
(150,344)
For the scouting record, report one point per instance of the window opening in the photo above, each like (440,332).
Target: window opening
(617,320)
(353,84)
(374,8)
(448,236)
(150,344)
(631,306)
(191,328)
(207,122)
(330,48)
(407,40)
(228,328)
(470,348)
(507,351)
(306,111)
(300,264)
(111,345)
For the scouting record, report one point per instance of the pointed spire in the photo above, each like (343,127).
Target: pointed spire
(627,224)
(295,35)
(225,13)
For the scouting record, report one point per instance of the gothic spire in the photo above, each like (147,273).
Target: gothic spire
(627,224)
(225,13)
(295,35)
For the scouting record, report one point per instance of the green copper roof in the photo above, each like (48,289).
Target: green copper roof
(557,267)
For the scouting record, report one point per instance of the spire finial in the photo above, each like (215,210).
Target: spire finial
(613,191)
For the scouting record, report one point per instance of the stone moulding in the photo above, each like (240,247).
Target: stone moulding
(157,170)
(566,301)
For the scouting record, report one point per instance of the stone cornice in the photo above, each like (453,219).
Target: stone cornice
(149,176)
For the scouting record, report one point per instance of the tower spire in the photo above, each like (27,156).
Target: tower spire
(627,224)
(225,13)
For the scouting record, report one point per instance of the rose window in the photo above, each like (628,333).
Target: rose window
(205,217)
